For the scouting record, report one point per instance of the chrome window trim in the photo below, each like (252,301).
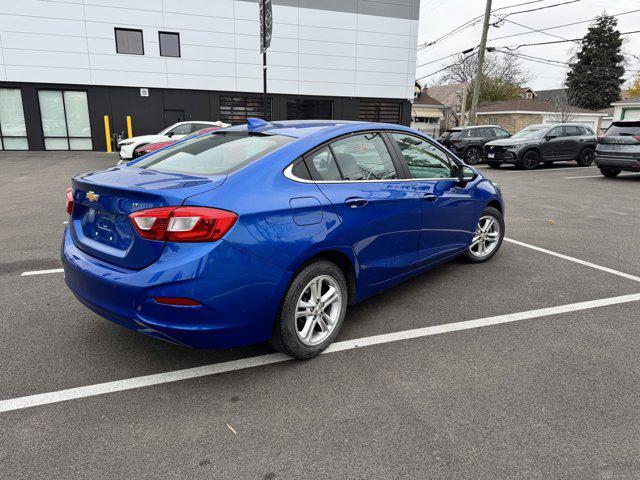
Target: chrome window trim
(289,174)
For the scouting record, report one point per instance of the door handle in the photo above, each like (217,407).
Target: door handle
(355,202)
(429,197)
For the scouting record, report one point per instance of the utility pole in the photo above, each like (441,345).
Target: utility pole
(463,107)
(478,80)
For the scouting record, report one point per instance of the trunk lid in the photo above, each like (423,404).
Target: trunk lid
(100,223)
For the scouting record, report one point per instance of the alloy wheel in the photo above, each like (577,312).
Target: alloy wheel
(473,156)
(318,310)
(530,160)
(486,237)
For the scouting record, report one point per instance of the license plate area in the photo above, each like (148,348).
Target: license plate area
(104,226)
(491,155)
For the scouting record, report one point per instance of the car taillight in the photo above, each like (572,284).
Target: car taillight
(69,200)
(637,137)
(183,224)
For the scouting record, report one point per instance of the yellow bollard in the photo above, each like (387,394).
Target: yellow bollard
(129,129)
(107,133)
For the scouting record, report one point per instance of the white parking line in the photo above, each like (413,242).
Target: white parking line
(41,272)
(602,176)
(575,260)
(546,170)
(245,363)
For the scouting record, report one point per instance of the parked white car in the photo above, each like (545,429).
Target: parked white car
(176,131)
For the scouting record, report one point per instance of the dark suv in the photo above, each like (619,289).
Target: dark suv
(545,143)
(467,142)
(619,148)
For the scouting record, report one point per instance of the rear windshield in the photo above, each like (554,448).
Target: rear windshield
(216,154)
(630,129)
(448,133)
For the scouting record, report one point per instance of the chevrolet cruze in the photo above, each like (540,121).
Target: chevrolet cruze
(269,231)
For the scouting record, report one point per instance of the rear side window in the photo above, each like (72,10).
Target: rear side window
(630,129)
(324,165)
(571,131)
(364,157)
(215,154)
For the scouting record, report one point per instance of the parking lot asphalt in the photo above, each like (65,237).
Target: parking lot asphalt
(547,397)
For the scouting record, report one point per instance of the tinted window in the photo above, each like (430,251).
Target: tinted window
(423,159)
(129,41)
(169,44)
(555,131)
(304,109)
(324,165)
(375,111)
(587,131)
(300,170)
(617,129)
(571,131)
(215,154)
(364,157)
(200,126)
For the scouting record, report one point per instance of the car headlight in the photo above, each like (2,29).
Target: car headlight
(514,147)
(495,185)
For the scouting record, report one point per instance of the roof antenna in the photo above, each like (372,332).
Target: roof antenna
(254,123)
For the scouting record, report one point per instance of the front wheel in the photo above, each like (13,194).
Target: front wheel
(473,156)
(530,160)
(312,312)
(487,237)
(609,172)
(586,157)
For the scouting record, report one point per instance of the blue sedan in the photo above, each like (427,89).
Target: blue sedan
(269,231)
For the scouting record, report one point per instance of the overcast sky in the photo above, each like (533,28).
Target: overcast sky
(438,17)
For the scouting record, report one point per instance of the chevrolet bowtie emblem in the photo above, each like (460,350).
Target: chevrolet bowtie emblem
(92,197)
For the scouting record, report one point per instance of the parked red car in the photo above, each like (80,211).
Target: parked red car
(152,147)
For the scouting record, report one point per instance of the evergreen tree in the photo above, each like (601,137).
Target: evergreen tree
(594,79)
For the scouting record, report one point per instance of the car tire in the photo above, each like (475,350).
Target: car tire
(304,337)
(610,172)
(587,155)
(474,254)
(473,156)
(530,160)
(493,164)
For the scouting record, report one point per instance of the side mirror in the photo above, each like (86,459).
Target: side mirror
(550,137)
(464,174)
(170,134)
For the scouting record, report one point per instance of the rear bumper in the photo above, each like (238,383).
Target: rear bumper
(239,293)
(622,163)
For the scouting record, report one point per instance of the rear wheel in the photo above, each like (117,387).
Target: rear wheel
(609,172)
(586,157)
(493,164)
(473,156)
(487,237)
(312,312)
(530,160)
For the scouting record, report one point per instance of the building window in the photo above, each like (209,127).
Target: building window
(492,121)
(236,110)
(129,41)
(307,109)
(374,111)
(13,131)
(169,44)
(426,119)
(65,120)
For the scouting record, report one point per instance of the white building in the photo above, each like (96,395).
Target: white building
(64,65)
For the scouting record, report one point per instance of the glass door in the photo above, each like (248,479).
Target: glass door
(65,120)
(13,132)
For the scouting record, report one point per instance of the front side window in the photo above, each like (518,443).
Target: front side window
(571,131)
(169,44)
(364,157)
(129,41)
(501,133)
(184,129)
(555,132)
(13,131)
(425,161)
(217,154)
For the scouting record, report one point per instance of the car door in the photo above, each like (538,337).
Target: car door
(361,179)
(448,209)
(574,141)
(553,144)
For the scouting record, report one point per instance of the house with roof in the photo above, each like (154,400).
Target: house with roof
(627,109)
(514,115)
(426,114)
(450,96)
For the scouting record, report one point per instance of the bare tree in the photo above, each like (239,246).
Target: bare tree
(501,68)
(564,108)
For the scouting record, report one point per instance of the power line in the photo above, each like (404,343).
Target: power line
(515,47)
